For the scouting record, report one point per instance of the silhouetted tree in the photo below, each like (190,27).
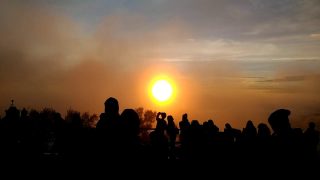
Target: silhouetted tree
(140,111)
(147,119)
(89,120)
(73,118)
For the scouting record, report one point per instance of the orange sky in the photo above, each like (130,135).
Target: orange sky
(68,55)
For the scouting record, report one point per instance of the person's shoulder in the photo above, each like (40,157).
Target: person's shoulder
(102,119)
(102,115)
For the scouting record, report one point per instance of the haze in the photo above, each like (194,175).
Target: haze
(231,61)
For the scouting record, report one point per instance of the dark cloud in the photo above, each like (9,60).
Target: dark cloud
(285,79)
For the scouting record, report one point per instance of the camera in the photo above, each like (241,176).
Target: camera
(162,114)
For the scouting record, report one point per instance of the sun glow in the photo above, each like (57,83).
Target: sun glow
(162,90)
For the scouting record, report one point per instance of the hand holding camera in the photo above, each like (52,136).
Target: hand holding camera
(162,114)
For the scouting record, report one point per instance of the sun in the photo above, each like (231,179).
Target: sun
(162,90)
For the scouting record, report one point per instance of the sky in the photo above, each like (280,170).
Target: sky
(230,60)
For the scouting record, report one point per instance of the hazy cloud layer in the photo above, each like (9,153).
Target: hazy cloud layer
(231,60)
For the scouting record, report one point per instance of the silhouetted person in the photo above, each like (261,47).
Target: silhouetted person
(263,131)
(161,122)
(172,132)
(110,130)
(230,141)
(10,134)
(131,121)
(158,139)
(184,125)
(212,127)
(24,113)
(195,141)
(263,142)
(232,133)
(110,118)
(250,131)
(298,143)
(131,147)
(284,140)
(311,138)
(211,136)
(279,122)
(248,141)
(45,134)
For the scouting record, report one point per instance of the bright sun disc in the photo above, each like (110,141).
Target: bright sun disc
(162,90)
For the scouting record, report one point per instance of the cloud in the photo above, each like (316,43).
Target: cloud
(50,56)
(47,60)
(315,36)
(285,79)
(228,91)
(284,18)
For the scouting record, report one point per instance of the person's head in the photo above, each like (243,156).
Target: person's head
(195,123)
(312,125)
(249,124)
(170,118)
(24,113)
(111,106)
(263,130)
(205,125)
(131,121)
(227,126)
(163,115)
(279,121)
(185,116)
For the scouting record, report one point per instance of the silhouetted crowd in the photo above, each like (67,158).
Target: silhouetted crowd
(46,135)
